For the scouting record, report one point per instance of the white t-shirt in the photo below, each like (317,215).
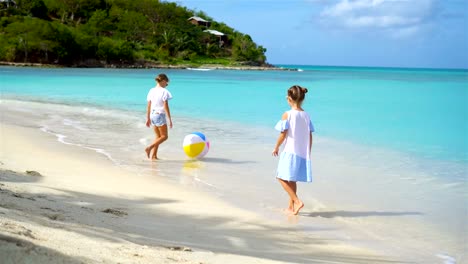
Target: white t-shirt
(158,96)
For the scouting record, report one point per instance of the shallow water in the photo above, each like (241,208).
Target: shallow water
(401,109)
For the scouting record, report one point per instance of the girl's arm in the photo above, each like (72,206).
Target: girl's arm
(310,142)
(279,142)
(168,112)
(148,110)
(281,137)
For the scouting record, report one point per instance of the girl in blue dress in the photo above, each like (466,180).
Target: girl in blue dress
(294,164)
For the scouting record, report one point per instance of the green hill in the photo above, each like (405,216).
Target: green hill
(118,32)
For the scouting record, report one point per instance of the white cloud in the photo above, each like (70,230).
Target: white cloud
(380,21)
(405,32)
(400,17)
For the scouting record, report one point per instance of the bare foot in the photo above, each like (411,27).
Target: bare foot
(148,151)
(154,158)
(291,206)
(299,204)
(290,209)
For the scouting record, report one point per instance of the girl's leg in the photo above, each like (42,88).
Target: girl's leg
(162,136)
(150,147)
(290,188)
(291,201)
(158,135)
(297,204)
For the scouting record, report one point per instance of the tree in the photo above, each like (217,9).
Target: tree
(133,27)
(67,48)
(115,31)
(39,9)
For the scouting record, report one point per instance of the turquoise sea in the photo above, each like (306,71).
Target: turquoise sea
(390,154)
(418,111)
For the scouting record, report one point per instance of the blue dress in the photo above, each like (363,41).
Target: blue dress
(294,162)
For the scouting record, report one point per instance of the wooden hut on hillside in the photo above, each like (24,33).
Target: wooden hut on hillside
(222,37)
(199,21)
(8,2)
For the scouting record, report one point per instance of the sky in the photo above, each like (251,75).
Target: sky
(372,33)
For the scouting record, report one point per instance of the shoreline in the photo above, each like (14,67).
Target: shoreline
(154,66)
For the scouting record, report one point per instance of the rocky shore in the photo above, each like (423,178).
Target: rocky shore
(155,66)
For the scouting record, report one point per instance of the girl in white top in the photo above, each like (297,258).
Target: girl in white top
(157,113)
(296,130)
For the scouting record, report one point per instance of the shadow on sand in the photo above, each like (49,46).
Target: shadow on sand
(145,222)
(226,161)
(15,250)
(355,214)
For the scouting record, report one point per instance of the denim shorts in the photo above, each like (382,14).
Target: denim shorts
(158,119)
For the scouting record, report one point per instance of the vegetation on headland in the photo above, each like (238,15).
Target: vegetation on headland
(118,33)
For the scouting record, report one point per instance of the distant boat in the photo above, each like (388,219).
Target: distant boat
(199,69)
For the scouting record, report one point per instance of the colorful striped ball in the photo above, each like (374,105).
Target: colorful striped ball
(196,145)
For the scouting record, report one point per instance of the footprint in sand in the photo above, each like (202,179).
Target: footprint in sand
(33,173)
(113,211)
(18,230)
(17,195)
(55,217)
(179,248)
(50,209)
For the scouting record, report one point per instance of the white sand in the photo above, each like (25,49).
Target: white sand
(84,209)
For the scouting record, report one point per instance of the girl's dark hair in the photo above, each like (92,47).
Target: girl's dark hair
(161,77)
(297,93)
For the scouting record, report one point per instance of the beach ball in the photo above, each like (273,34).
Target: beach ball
(196,145)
